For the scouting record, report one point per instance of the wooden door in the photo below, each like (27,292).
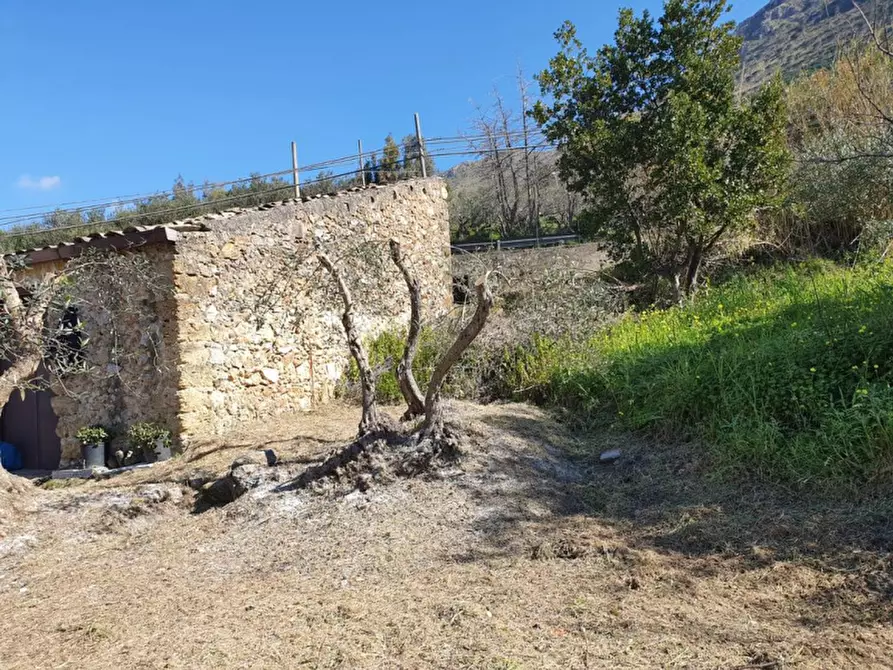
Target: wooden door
(29,424)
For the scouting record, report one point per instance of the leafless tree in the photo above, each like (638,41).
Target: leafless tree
(874,118)
(880,37)
(532,183)
(405,377)
(371,422)
(498,142)
(514,186)
(430,405)
(433,427)
(417,449)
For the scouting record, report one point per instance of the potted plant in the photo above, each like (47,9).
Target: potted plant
(153,441)
(93,440)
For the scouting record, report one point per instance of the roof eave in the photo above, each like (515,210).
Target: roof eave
(117,241)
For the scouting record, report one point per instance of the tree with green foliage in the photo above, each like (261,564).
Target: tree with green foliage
(411,166)
(371,168)
(389,168)
(324,182)
(651,132)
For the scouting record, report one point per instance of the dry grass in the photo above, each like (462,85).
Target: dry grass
(535,287)
(296,439)
(531,557)
(15,496)
(529,264)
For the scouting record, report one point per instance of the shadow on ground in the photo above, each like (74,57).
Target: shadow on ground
(660,497)
(306,441)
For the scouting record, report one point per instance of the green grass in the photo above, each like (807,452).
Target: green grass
(385,352)
(785,374)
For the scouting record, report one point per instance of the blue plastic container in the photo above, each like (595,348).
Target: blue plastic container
(10,458)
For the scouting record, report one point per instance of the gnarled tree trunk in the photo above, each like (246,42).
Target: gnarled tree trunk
(692,274)
(407,455)
(433,408)
(405,378)
(370,422)
(24,348)
(18,376)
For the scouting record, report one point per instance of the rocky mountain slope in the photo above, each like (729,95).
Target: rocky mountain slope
(793,36)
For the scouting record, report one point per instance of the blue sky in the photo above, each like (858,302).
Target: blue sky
(105,99)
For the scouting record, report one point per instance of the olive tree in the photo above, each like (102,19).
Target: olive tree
(412,450)
(42,340)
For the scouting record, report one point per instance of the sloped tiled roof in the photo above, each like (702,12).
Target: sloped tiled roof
(130,236)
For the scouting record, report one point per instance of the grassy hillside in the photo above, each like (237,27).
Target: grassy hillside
(787,374)
(794,36)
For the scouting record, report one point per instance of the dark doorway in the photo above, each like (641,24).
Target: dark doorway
(29,424)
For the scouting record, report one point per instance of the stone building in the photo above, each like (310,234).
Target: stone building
(242,323)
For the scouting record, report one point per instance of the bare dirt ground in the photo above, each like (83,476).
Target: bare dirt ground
(529,556)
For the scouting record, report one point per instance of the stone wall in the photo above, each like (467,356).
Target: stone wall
(235,321)
(258,324)
(127,311)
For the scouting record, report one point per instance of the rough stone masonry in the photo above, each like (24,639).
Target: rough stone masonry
(250,326)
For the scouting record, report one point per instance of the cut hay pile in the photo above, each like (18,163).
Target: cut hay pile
(14,494)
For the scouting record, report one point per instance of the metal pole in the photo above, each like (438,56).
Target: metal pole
(418,137)
(360,160)
(294,167)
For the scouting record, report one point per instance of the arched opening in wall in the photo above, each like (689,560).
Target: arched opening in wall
(29,424)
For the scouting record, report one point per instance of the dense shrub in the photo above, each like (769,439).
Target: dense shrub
(842,138)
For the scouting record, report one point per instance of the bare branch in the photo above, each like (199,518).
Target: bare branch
(865,94)
(877,40)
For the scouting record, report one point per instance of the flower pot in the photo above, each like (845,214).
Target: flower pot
(162,452)
(94,455)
